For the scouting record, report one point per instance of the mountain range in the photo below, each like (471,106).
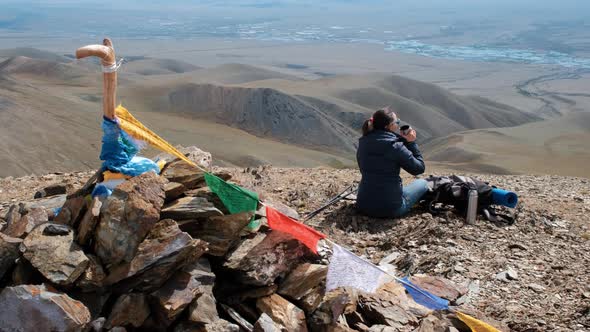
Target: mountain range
(50,116)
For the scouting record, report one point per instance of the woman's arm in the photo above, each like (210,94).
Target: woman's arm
(410,158)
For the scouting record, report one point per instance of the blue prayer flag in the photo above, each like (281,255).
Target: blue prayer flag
(423,297)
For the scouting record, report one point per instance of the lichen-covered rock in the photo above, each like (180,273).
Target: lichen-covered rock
(252,293)
(204,308)
(193,153)
(186,285)
(283,312)
(173,190)
(431,323)
(391,306)
(12,215)
(48,203)
(439,286)
(210,196)
(72,210)
(266,324)
(86,227)
(221,232)
(282,208)
(302,280)
(163,251)
(259,261)
(312,300)
(22,224)
(34,308)
(129,310)
(127,216)
(334,304)
(189,176)
(188,208)
(51,249)
(219,325)
(93,277)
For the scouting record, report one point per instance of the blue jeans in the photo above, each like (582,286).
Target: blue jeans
(411,195)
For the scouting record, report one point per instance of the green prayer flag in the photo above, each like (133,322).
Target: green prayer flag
(235,198)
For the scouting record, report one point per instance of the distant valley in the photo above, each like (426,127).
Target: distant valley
(247,115)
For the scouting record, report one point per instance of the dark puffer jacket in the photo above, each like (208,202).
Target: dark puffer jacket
(380,156)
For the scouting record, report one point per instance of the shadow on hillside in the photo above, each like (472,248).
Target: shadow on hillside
(345,217)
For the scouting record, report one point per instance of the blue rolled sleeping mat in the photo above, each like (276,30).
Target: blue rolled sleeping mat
(504,197)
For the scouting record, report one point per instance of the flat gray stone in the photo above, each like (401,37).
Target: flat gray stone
(173,190)
(129,309)
(127,216)
(28,220)
(220,232)
(57,257)
(302,280)
(34,308)
(164,250)
(259,261)
(187,208)
(283,312)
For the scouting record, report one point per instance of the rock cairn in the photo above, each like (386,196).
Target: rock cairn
(163,254)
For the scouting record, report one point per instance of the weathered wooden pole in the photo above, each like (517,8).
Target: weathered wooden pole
(106,53)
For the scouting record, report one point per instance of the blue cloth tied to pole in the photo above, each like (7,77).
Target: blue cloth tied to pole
(119,152)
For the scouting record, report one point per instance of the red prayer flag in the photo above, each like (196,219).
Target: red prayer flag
(305,234)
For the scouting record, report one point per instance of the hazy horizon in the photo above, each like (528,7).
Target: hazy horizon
(535,32)
(72,17)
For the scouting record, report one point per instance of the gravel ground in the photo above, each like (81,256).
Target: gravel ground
(532,276)
(546,252)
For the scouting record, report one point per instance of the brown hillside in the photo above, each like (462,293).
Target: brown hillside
(557,146)
(43,69)
(263,112)
(235,73)
(34,54)
(150,66)
(433,111)
(250,116)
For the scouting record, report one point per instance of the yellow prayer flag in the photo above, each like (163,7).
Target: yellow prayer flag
(137,130)
(476,325)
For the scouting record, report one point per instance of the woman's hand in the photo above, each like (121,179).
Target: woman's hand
(410,136)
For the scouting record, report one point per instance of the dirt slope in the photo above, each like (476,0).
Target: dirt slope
(151,66)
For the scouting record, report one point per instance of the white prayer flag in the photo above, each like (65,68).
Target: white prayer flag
(348,270)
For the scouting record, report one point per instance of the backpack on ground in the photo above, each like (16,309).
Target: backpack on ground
(454,190)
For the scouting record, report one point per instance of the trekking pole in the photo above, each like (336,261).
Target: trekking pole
(106,53)
(332,201)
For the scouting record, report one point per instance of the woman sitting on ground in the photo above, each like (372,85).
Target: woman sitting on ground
(380,155)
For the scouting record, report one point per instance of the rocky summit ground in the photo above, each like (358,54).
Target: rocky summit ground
(547,249)
(533,275)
